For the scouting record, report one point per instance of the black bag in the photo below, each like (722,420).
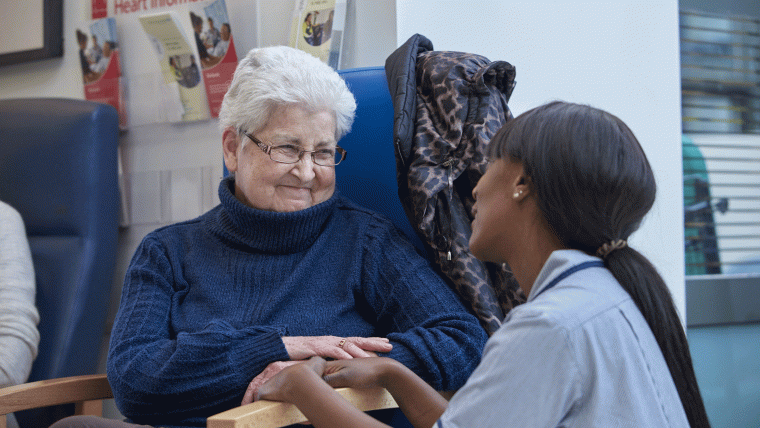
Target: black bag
(447,106)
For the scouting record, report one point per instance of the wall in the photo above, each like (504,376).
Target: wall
(621,56)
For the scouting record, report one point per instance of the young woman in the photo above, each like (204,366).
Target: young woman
(599,341)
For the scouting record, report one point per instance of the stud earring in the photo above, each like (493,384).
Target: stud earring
(517,194)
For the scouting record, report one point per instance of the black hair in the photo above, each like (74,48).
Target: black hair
(195,20)
(81,36)
(594,184)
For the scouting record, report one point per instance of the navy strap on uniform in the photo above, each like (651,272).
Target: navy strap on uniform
(572,270)
(555,281)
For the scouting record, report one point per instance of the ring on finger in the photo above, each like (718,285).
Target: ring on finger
(342,342)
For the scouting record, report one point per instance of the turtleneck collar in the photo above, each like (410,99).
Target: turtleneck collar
(268,231)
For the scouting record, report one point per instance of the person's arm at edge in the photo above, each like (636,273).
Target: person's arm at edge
(321,404)
(419,402)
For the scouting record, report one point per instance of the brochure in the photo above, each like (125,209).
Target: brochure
(99,9)
(317,28)
(216,50)
(101,67)
(181,72)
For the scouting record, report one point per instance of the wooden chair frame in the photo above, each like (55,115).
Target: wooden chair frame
(87,392)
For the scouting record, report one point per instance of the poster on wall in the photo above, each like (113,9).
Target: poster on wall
(317,28)
(101,66)
(181,72)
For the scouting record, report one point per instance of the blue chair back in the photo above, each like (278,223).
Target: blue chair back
(58,168)
(368,174)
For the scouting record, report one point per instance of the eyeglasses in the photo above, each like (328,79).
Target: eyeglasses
(289,153)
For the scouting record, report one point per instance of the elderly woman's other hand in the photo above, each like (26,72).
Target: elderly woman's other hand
(275,388)
(339,348)
(271,371)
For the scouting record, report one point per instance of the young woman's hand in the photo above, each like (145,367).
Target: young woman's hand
(302,384)
(278,387)
(272,370)
(309,385)
(421,404)
(358,373)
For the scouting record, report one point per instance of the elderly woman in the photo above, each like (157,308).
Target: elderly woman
(284,269)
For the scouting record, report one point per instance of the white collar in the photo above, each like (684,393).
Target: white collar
(558,262)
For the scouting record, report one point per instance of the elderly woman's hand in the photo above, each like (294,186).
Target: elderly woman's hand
(339,348)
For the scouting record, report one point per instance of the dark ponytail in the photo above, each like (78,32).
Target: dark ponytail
(647,289)
(594,185)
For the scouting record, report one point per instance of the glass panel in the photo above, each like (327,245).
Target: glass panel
(728,371)
(720,77)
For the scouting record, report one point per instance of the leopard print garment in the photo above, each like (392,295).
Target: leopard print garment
(461,103)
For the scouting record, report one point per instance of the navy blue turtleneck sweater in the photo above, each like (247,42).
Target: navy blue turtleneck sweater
(206,302)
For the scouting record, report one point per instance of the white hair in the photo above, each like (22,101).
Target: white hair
(270,77)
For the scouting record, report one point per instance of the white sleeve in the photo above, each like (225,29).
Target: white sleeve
(528,377)
(19,337)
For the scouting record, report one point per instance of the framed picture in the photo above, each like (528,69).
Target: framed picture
(32,30)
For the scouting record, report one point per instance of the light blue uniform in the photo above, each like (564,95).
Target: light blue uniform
(578,354)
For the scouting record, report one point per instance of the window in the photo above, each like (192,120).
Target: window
(720,76)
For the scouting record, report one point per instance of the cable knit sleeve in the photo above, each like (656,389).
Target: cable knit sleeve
(157,375)
(19,337)
(431,331)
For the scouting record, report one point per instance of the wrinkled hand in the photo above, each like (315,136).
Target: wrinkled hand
(275,388)
(303,347)
(358,373)
(272,370)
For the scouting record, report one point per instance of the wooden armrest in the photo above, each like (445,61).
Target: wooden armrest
(44,393)
(273,414)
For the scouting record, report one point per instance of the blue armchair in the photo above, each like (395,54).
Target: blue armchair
(58,168)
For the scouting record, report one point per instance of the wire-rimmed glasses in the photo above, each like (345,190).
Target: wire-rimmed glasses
(290,153)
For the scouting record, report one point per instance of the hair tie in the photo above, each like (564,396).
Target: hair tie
(611,246)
